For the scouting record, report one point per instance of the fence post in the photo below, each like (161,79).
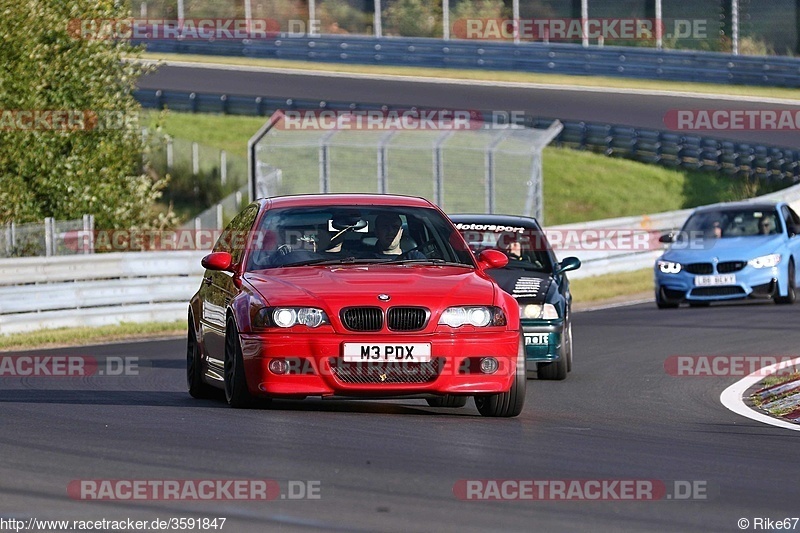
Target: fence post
(489,171)
(376,20)
(438,168)
(238,198)
(383,170)
(13,235)
(170,153)
(195,159)
(49,237)
(197,224)
(220,216)
(8,239)
(325,162)
(223,166)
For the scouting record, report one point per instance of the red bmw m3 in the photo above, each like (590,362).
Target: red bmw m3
(353,295)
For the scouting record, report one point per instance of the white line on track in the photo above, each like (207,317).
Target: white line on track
(482,83)
(732,396)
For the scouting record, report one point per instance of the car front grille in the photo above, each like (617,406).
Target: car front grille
(730,266)
(699,268)
(362,318)
(407,318)
(718,291)
(378,372)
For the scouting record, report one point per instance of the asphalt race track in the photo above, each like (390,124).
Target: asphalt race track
(392,466)
(640,110)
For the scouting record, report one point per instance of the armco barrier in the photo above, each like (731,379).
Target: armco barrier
(626,62)
(96,289)
(650,146)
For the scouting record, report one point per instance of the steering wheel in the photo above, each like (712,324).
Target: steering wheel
(284,249)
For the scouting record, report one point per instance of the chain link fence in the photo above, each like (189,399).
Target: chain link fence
(495,168)
(48,238)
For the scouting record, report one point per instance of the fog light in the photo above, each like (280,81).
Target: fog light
(278,366)
(489,365)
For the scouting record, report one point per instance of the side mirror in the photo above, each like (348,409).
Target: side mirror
(492,259)
(793,230)
(569,263)
(667,238)
(217,261)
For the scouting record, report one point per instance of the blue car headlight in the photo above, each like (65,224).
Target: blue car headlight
(669,267)
(765,261)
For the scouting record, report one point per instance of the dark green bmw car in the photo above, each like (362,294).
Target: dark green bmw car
(538,282)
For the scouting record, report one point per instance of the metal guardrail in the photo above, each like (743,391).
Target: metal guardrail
(650,146)
(561,58)
(97,289)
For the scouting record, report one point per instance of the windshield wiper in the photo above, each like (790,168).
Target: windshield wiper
(432,261)
(339,261)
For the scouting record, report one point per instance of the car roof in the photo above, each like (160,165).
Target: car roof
(501,220)
(755,206)
(322,200)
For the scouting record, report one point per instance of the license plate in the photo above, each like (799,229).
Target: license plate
(407,353)
(708,281)
(541,338)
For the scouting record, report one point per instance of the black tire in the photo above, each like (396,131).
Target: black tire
(509,403)
(236,392)
(447,401)
(555,371)
(194,367)
(568,340)
(791,296)
(661,303)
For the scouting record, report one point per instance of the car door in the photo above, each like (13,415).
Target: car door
(219,288)
(792,222)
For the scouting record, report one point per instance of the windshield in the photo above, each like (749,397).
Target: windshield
(526,248)
(728,223)
(302,236)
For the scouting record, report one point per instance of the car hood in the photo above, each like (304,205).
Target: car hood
(726,249)
(527,285)
(341,286)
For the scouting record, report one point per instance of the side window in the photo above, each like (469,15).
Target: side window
(787,219)
(234,238)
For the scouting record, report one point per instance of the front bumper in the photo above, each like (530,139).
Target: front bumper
(750,283)
(543,340)
(317,368)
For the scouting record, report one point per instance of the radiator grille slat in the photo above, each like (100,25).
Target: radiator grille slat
(362,318)
(407,318)
(374,372)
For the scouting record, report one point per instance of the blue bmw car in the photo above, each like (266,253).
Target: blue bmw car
(536,279)
(731,251)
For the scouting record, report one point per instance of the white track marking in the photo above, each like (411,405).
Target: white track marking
(732,396)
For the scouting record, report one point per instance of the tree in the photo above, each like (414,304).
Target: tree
(69,137)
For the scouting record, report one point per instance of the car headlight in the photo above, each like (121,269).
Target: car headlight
(478,316)
(765,261)
(542,311)
(668,267)
(286,317)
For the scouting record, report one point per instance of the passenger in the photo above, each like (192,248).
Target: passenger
(389,231)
